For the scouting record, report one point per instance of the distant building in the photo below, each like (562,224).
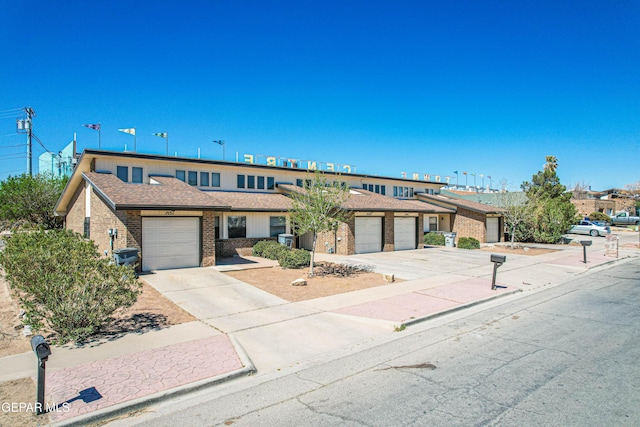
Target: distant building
(58,164)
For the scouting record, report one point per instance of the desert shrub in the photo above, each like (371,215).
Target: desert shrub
(468,243)
(434,239)
(272,249)
(294,258)
(64,284)
(599,216)
(259,248)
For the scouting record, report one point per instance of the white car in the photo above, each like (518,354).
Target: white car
(590,228)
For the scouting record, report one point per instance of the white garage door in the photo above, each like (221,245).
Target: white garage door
(368,234)
(493,230)
(170,243)
(404,233)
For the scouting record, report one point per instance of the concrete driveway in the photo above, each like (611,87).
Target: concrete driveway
(277,334)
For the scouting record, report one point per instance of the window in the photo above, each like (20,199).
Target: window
(378,188)
(180,175)
(277,225)
(271,183)
(395,191)
(123,173)
(204,179)
(136,175)
(215,179)
(216,226)
(240,181)
(433,223)
(299,182)
(87,227)
(383,189)
(237,226)
(251,181)
(193,178)
(261,183)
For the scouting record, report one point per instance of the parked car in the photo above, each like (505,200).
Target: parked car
(591,228)
(623,218)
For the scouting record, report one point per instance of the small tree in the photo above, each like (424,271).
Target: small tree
(515,213)
(64,284)
(552,209)
(318,207)
(31,199)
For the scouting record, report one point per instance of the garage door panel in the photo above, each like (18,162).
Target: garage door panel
(404,233)
(368,235)
(493,230)
(170,243)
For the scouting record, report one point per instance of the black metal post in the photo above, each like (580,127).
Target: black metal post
(40,389)
(495,270)
(584,250)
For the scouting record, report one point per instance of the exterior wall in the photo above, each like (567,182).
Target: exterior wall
(102,219)
(587,206)
(388,225)
(238,246)
(228,173)
(208,239)
(467,223)
(343,241)
(420,233)
(347,235)
(75,216)
(625,204)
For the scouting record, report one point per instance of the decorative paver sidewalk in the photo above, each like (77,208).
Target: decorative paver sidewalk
(421,304)
(98,385)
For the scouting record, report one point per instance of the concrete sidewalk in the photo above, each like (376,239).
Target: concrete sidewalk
(242,328)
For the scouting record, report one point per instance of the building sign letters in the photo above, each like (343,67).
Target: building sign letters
(286,162)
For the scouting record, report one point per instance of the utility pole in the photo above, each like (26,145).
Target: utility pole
(26,125)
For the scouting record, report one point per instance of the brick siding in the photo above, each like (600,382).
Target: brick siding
(208,239)
(468,223)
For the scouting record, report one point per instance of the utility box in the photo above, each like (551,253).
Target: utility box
(286,240)
(450,239)
(125,256)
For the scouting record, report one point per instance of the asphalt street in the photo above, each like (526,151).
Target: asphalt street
(567,355)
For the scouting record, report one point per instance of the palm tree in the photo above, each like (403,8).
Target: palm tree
(552,164)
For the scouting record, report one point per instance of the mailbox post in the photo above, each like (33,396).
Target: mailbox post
(497,261)
(584,244)
(42,350)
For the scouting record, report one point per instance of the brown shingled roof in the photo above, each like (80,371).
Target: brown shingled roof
(171,193)
(459,203)
(245,201)
(363,200)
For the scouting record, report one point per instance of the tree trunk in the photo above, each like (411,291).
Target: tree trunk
(513,236)
(313,254)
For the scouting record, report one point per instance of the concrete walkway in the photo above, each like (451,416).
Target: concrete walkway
(241,328)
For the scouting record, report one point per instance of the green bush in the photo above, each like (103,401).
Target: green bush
(468,243)
(294,258)
(64,284)
(434,239)
(260,247)
(599,216)
(272,249)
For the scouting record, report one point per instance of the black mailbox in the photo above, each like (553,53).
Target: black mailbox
(584,244)
(497,261)
(40,347)
(498,258)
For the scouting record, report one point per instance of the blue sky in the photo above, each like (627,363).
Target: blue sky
(412,86)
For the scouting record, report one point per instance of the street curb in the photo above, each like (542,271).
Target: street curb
(455,309)
(142,402)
